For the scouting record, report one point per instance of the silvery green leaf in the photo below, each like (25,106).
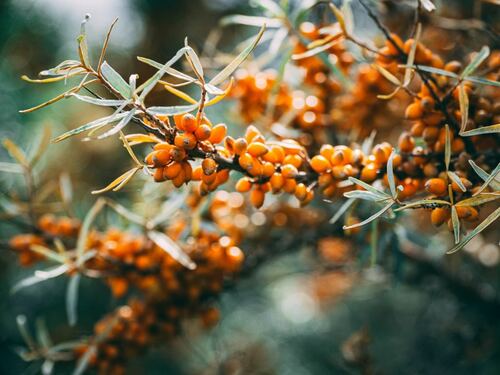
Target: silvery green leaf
(21,322)
(97,101)
(456,224)
(10,167)
(173,72)
(453,176)
(431,69)
(476,61)
(194,60)
(84,361)
(369,187)
(345,206)
(126,213)
(390,175)
(423,203)
(233,65)
(72,299)
(447,147)
(482,81)
(363,194)
(87,222)
(491,129)
(91,125)
(42,334)
(170,247)
(484,175)
(47,367)
(52,272)
(169,208)
(115,80)
(269,5)
(478,199)
(147,86)
(489,179)
(411,56)
(60,69)
(43,143)
(428,5)
(118,127)
(251,21)
(172,110)
(212,90)
(371,218)
(488,221)
(48,253)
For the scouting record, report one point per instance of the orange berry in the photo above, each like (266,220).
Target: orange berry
(439,215)
(257,149)
(234,258)
(158,175)
(245,160)
(275,155)
(218,133)
(326,151)
(414,111)
(243,185)
(209,166)
(189,123)
(268,169)
(406,142)
(277,181)
(436,186)
(172,170)
(289,171)
(320,164)
(177,153)
(294,160)
(301,192)
(290,185)
(240,146)
(185,140)
(257,197)
(202,133)
(369,172)
(197,173)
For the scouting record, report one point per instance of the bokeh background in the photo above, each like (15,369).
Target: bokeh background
(294,315)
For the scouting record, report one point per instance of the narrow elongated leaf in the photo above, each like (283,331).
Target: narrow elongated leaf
(345,206)
(16,152)
(488,221)
(91,125)
(179,93)
(463,101)
(456,224)
(270,6)
(194,61)
(390,174)
(169,246)
(173,110)
(66,188)
(428,5)
(10,167)
(130,151)
(239,19)
(52,272)
(314,51)
(126,213)
(368,187)
(135,139)
(453,176)
(42,334)
(84,361)
(482,81)
(423,203)
(43,143)
(488,180)
(115,80)
(363,194)
(22,325)
(98,101)
(119,182)
(169,208)
(371,218)
(38,277)
(121,124)
(476,61)
(447,148)
(340,17)
(47,367)
(491,129)
(478,200)
(87,222)
(233,65)
(48,253)
(411,56)
(218,98)
(72,299)
(147,86)
(105,45)
(57,78)
(82,42)
(387,75)
(484,175)
(169,70)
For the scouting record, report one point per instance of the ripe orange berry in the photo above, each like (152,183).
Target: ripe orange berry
(406,142)
(202,133)
(439,215)
(185,140)
(369,172)
(275,155)
(172,170)
(158,175)
(245,160)
(209,166)
(257,197)
(414,111)
(197,173)
(301,192)
(294,160)
(326,151)
(234,258)
(320,164)
(467,184)
(218,133)
(289,171)
(277,181)
(240,146)
(257,149)
(290,185)
(268,169)
(243,185)
(436,186)
(189,123)
(177,153)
